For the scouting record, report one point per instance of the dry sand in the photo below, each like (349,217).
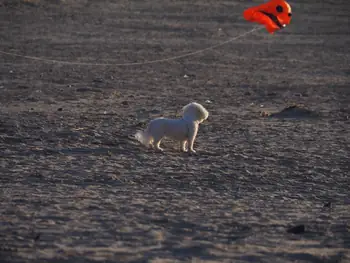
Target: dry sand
(76,187)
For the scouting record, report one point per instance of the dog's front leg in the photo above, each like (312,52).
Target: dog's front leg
(183,146)
(192,136)
(157,146)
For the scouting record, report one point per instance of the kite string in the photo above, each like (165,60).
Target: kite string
(131,63)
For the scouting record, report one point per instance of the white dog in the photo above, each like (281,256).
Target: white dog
(183,130)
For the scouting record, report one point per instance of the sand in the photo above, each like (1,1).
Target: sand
(76,187)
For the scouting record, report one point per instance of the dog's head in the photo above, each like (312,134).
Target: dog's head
(195,112)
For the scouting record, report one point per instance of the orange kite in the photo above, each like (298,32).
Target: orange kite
(275,15)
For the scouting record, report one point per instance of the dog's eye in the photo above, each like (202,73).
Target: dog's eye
(279,9)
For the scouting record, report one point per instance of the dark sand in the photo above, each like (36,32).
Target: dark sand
(76,187)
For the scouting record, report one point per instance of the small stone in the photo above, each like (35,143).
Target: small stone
(272,94)
(157,235)
(22,87)
(328,204)
(83,89)
(37,237)
(299,229)
(32,99)
(38,143)
(37,175)
(98,80)
(187,76)
(264,114)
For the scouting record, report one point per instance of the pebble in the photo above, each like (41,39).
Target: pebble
(299,229)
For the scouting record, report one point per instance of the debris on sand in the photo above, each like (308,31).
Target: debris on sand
(22,87)
(98,80)
(299,229)
(37,237)
(294,111)
(265,114)
(7,249)
(328,205)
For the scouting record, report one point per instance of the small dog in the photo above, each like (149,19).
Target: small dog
(183,130)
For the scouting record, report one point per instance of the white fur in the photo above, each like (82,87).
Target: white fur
(183,130)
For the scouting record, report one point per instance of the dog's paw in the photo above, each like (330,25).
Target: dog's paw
(159,149)
(192,152)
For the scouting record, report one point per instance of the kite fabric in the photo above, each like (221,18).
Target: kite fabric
(275,15)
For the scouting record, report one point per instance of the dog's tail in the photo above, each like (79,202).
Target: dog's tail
(144,137)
